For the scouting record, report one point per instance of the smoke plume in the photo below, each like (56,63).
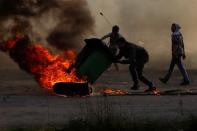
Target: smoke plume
(75,22)
(61,23)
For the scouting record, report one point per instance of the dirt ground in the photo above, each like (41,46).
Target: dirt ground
(23,103)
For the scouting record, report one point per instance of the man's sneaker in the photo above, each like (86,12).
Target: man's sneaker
(135,87)
(151,89)
(163,80)
(185,83)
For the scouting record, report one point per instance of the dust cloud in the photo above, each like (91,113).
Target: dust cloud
(147,23)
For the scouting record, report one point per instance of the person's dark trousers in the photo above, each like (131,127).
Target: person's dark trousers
(137,73)
(179,63)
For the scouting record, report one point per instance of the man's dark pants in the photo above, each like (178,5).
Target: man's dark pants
(137,73)
(179,63)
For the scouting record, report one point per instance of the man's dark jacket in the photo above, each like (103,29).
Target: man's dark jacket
(133,54)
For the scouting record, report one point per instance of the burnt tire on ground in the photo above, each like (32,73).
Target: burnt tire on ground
(72,89)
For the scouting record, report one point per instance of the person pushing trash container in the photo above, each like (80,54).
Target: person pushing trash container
(114,36)
(178,54)
(136,57)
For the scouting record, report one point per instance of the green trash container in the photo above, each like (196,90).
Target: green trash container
(93,60)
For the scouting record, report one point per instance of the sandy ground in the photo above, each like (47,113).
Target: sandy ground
(24,103)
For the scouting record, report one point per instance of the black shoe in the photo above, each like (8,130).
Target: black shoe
(151,89)
(163,80)
(185,83)
(135,87)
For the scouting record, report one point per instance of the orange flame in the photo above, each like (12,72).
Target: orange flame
(110,91)
(47,68)
(157,93)
(10,43)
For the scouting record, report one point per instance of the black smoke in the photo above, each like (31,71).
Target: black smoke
(72,20)
(75,22)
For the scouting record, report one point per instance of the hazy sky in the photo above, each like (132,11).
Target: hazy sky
(147,22)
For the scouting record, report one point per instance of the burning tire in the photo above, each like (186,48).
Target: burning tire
(72,89)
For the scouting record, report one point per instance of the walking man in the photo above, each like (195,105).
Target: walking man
(178,54)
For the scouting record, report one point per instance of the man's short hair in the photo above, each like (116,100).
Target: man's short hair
(115,27)
(122,39)
(175,27)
